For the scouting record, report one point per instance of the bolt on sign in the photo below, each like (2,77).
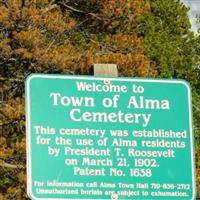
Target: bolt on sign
(109,138)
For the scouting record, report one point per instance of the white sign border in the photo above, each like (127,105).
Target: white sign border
(82,77)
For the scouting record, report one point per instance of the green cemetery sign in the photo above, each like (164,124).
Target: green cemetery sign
(109,138)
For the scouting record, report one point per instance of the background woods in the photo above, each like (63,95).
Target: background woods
(145,38)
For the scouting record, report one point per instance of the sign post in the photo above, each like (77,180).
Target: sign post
(109,138)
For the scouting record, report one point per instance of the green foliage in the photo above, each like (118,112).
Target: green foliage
(171,46)
(174,50)
(167,39)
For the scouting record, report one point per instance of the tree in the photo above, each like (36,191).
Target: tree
(168,40)
(171,46)
(57,37)
(146,38)
(174,50)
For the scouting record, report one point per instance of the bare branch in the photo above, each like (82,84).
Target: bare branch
(80,11)
(11,166)
(198,109)
(71,8)
(11,79)
(51,7)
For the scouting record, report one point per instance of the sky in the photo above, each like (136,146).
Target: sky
(194,11)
